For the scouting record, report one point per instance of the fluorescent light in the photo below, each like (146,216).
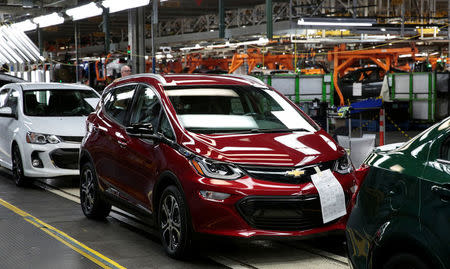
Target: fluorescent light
(26,25)
(49,20)
(335,22)
(119,5)
(84,11)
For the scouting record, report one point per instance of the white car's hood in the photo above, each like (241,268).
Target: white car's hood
(63,126)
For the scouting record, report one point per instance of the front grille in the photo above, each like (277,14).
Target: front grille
(282,213)
(278,174)
(71,139)
(65,158)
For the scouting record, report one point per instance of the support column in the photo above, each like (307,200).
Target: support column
(76,52)
(106,30)
(221,18)
(154,25)
(136,39)
(402,29)
(269,19)
(40,40)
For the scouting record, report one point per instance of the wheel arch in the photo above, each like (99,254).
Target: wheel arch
(85,156)
(166,179)
(401,244)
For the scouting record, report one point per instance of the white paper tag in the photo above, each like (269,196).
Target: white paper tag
(357,89)
(332,199)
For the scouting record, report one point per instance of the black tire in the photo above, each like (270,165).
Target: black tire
(405,261)
(93,204)
(174,223)
(17,168)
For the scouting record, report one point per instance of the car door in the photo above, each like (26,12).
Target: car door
(141,157)
(435,199)
(109,128)
(8,98)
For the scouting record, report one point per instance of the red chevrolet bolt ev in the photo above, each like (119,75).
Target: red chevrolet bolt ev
(212,154)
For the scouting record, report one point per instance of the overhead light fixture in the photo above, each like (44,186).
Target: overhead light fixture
(335,22)
(26,25)
(49,20)
(84,11)
(119,5)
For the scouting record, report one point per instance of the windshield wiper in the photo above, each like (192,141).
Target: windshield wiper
(279,130)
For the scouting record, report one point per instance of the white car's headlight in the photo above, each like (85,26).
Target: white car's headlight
(38,138)
(213,169)
(343,165)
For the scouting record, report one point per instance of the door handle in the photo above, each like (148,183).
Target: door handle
(443,192)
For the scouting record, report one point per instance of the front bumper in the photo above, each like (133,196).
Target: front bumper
(259,208)
(57,159)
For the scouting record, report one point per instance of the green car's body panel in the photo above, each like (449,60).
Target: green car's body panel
(400,206)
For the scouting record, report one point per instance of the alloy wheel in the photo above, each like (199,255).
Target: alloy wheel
(17,168)
(171,222)
(87,190)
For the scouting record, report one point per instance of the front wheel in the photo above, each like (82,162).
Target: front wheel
(94,206)
(173,222)
(17,168)
(405,261)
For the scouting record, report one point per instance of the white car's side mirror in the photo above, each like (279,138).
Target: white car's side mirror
(6,112)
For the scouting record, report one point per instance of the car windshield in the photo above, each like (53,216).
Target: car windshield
(59,103)
(236,109)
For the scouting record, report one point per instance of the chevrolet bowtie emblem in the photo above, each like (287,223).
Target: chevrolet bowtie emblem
(294,173)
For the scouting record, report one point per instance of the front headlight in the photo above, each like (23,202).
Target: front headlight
(38,138)
(343,165)
(213,169)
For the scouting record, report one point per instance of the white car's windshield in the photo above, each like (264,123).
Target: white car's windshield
(236,109)
(59,103)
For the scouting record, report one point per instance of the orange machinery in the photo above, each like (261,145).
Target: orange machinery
(194,61)
(254,57)
(344,59)
(271,61)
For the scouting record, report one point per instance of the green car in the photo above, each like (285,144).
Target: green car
(401,216)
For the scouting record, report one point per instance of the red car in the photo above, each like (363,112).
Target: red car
(212,154)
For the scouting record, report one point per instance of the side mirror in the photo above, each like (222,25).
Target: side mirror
(142,130)
(7,112)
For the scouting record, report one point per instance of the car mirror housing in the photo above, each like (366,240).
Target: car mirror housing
(142,130)
(7,112)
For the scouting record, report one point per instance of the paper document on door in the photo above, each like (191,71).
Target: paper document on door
(332,199)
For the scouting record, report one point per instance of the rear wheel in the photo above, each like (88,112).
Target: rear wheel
(174,223)
(405,261)
(17,168)
(94,206)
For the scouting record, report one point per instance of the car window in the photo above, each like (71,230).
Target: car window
(58,102)
(8,98)
(165,128)
(3,97)
(117,102)
(147,108)
(445,150)
(235,109)
(13,99)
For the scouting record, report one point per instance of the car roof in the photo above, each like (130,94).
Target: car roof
(51,86)
(197,79)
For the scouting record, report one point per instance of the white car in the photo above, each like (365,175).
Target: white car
(41,128)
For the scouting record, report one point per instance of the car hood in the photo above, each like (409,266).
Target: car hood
(277,149)
(63,126)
